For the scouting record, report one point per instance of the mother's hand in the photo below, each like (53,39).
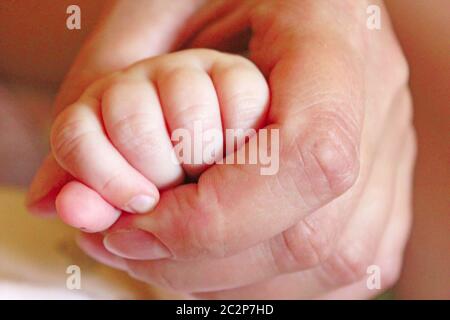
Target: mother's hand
(340,200)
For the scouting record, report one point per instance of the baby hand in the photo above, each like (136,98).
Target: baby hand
(116,139)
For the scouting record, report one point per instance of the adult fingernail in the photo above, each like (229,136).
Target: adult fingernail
(92,245)
(136,244)
(141,204)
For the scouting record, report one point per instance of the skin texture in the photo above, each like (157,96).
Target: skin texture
(119,123)
(341,200)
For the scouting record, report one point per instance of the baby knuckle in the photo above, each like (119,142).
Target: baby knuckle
(67,137)
(237,62)
(177,74)
(135,131)
(247,108)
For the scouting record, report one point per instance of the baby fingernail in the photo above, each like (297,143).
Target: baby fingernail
(141,204)
(135,244)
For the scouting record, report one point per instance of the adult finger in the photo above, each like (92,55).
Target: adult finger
(336,278)
(317,107)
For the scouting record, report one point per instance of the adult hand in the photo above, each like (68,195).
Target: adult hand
(340,200)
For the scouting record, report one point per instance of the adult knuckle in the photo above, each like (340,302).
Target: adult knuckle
(348,264)
(390,271)
(393,67)
(404,109)
(336,150)
(135,272)
(165,278)
(327,154)
(399,68)
(303,247)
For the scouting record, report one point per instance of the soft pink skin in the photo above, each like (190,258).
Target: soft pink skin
(83,208)
(340,201)
(114,138)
